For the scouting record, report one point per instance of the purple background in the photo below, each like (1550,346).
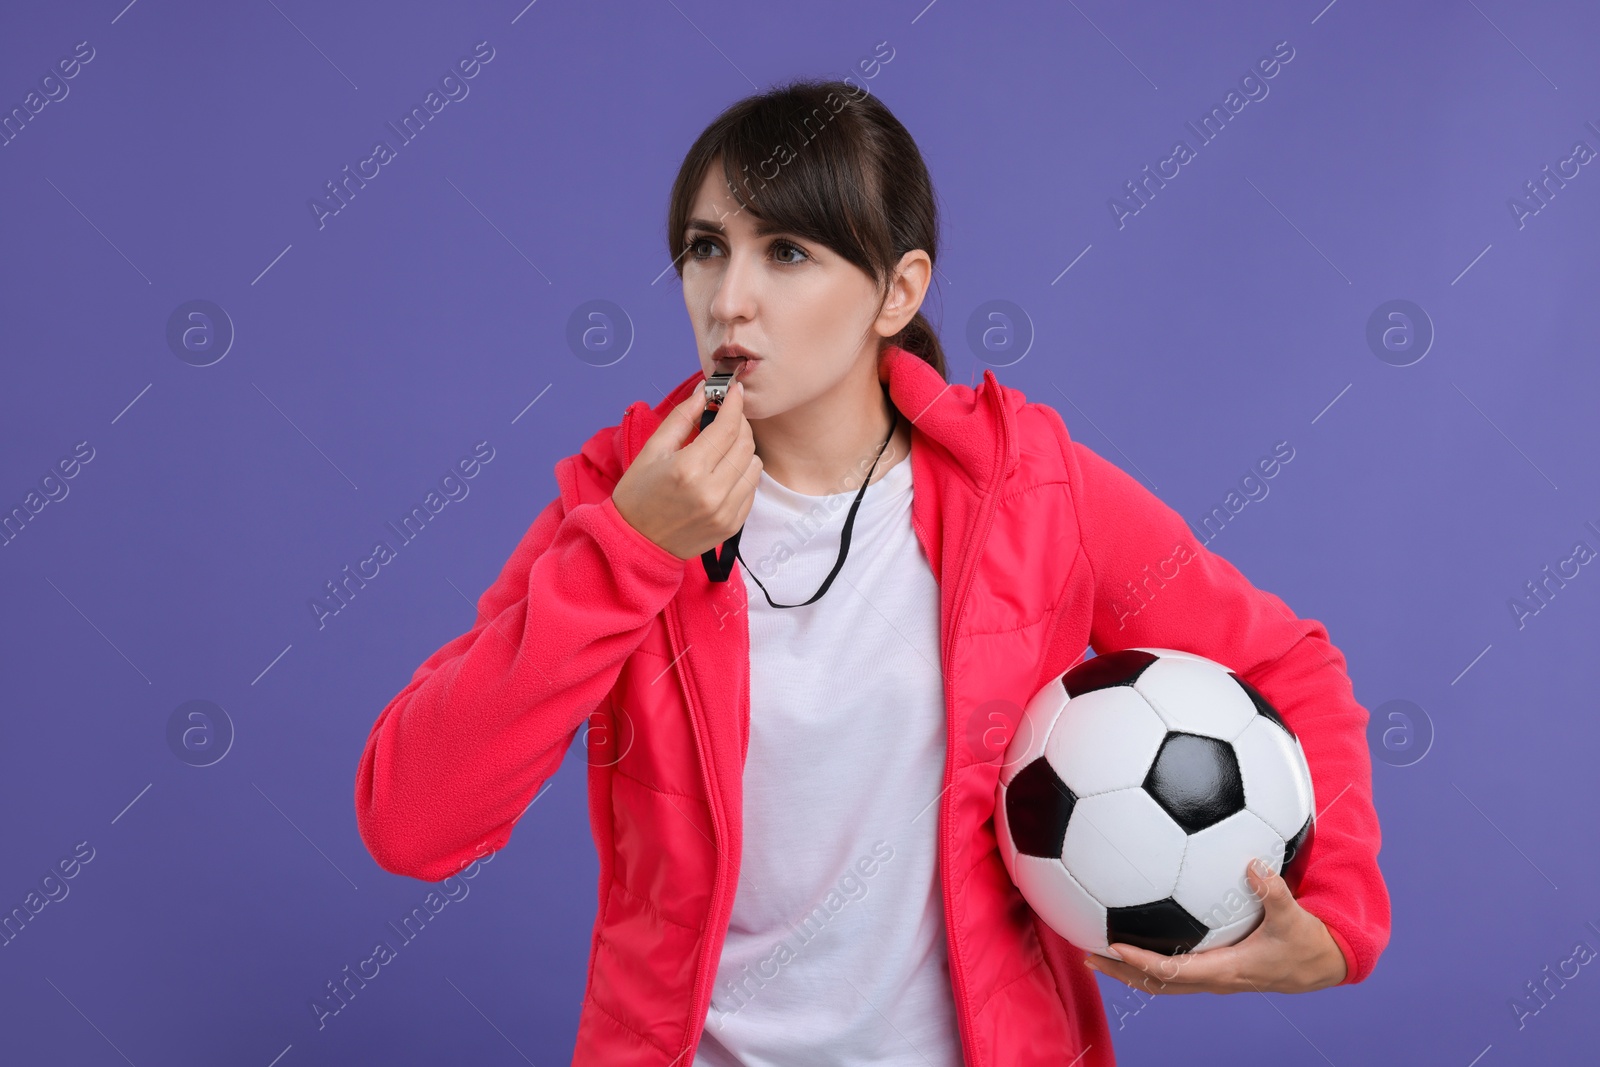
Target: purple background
(1228,314)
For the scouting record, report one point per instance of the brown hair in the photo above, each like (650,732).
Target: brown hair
(826,161)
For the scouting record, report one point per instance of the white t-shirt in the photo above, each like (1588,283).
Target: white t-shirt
(835,951)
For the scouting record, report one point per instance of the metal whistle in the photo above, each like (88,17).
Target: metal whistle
(717,386)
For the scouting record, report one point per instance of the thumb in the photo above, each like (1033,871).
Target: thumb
(1270,888)
(681,421)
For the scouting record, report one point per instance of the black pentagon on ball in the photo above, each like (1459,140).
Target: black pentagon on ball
(1164,927)
(1038,805)
(1260,702)
(1103,672)
(1196,779)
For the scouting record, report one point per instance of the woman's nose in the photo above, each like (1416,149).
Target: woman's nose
(735,297)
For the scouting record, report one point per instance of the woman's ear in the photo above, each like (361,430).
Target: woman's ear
(906,289)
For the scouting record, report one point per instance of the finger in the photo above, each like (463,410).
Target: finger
(1134,978)
(752,474)
(727,443)
(1124,973)
(725,464)
(1215,967)
(1167,968)
(736,475)
(1270,888)
(680,422)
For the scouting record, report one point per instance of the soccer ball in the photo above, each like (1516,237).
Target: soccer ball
(1136,789)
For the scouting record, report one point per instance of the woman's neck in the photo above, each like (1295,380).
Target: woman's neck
(826,446)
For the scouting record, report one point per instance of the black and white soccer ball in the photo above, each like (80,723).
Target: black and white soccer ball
(1134,793)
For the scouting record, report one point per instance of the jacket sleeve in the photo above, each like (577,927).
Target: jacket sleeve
(1156,586)
(456,757)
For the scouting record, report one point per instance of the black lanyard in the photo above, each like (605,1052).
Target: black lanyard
(718,567)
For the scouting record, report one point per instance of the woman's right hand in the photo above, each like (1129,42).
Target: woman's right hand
(690,498)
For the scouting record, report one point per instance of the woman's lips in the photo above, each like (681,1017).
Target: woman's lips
(727,365)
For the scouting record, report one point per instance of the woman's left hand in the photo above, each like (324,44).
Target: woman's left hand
(1290,951)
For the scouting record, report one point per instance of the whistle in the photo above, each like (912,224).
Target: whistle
(717,387)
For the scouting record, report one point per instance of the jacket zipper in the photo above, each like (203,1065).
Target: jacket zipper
(958,967)
(702,975)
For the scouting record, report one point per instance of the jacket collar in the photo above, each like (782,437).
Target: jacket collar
(974,428)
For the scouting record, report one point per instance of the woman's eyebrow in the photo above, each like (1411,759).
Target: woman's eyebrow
(764,228)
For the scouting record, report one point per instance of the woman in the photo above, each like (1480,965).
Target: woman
(792,770)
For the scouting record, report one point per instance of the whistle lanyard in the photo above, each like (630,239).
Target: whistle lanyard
(718,567)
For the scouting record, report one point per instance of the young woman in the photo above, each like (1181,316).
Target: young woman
(792,765)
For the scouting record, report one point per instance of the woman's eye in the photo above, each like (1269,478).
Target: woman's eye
(782,246)
(705,247)
(693,245)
